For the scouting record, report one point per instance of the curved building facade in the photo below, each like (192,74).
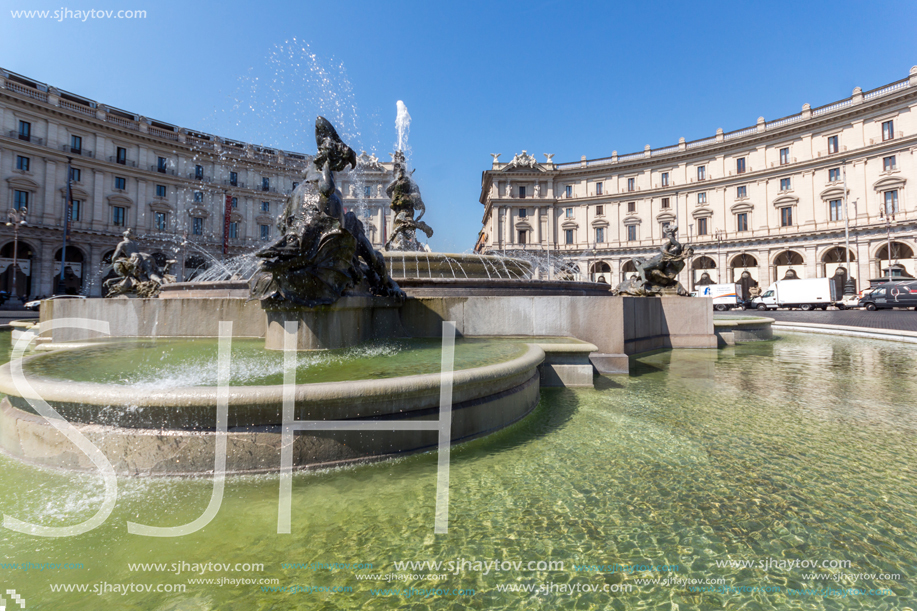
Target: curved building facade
(188,196)
(773,199)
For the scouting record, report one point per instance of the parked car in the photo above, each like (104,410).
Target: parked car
(36,304)
(805,294)
(891,295)
(725,296)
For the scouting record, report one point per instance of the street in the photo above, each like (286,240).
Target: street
(900,320)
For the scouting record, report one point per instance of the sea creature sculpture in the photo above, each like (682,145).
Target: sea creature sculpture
(658,275)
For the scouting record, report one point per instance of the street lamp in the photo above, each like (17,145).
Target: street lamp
(16,219)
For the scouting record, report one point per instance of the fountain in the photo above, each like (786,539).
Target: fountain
(321,293)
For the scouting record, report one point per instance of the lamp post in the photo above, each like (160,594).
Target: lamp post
(889,217)
(16,219)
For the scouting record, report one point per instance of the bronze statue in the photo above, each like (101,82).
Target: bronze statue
(658,275)
(138,272)
(322,252)
(405,198)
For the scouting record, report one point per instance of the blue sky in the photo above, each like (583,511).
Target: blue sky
(569,78)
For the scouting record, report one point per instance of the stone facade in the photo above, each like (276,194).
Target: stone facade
(764,199)
(167,183)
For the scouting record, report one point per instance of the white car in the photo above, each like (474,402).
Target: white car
(34,305)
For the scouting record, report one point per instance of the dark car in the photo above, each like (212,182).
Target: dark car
(891,295)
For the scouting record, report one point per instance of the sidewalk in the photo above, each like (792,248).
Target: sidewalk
(7,316)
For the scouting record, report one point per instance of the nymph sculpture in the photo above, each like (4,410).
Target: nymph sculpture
(658,275)
(322,251)
(138,272)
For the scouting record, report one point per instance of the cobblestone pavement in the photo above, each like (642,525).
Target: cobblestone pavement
(900,320)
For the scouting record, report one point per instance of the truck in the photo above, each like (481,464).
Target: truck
(725,296)
(891,295)
(807,294)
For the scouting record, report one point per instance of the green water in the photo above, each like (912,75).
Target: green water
(802,448)
(169,363)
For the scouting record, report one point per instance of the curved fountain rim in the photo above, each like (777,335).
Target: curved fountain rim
(96,393)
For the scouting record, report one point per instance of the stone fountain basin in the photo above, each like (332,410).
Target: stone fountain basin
(171,432)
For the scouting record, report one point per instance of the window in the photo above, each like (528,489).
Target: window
(568,191)
(599,188)
(233,230)
(835,212)
(888,130)
(265,206)
(75,206)
(741,192)
(120,183)
(199,172)
(367,191)
(568,236)
(265,232)
(569,213)
(198,196)
(75,174)
(21,200)
(76,144)
(25,131)
(234,179)
(701,172)
(891,202)
(665,202)
(121,155)
(888,163)
(522,192)
(234,202)
(631,206)
(702,197)
(160,190)
(740,165)
(784,156)
(701,226)
(265,184)
(631,184)
(665,226)
(631,233)
(197,225)
(665,179)
(786,216)
(600,210)
(599,235)
(785,184)
(832,145)
(742,221)
(834,175)
(118,216)
(521,237)
(523,212)
(161,165)
(22,163)
(162,221)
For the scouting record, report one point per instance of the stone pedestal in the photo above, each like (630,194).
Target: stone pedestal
(349,321)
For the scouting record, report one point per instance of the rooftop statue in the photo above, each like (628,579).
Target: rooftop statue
(405,197)
(658,275)
(138,272)
(322,251)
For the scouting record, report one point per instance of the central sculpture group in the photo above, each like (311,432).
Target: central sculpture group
(323,251)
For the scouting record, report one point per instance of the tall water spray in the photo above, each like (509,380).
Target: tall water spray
(403,127)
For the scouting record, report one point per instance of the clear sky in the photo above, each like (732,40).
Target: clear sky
(569,78)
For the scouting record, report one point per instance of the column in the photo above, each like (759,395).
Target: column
(140,214)
(44,212)
(98,200)
(495,226)
(537,235)
(45,281)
